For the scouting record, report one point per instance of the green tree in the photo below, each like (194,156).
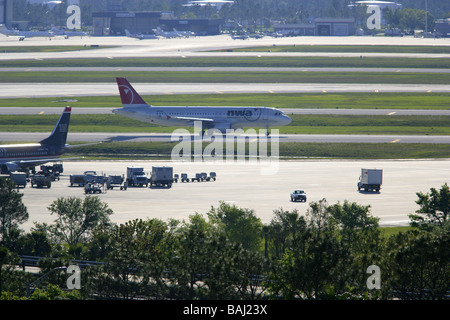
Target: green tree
(240,225)
(137,260)
(188,265)
(434,208)
(12,210)
(283,229)
(76,219)
(53,292)
(418,264)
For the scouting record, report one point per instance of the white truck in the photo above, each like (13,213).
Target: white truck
(161,177)
(370,180)
(136,177)
(19,178)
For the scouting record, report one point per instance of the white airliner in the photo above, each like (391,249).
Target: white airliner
(221,118)
(24,34)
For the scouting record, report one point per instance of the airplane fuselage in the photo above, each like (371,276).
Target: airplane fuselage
(15,157)
(32,151)
(224,117)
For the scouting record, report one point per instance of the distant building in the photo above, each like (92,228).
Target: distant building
(115,23)
(302,29)
(442,27)
(320,27)
(214,3)
(199,26)
(335,26)
(6,12)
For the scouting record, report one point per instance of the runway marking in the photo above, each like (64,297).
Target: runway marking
(212,69)
(39,59)
(396,140)
(28,70)
(391,113)
(120,69)
(111,58)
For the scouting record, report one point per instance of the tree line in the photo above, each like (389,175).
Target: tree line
(228,253)
(245,12)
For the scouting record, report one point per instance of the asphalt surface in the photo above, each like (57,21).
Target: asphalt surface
(92,137)
(70,90)
(106,110)
(260,186)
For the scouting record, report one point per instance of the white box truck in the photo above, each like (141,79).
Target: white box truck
(136,177)
(161,177)
(370,180)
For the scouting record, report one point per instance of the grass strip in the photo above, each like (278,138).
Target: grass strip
(257,61)
(352,100)
(287,150)
(349,48)
(226,77)
(301,124)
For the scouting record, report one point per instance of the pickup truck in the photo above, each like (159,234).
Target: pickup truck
(298,195)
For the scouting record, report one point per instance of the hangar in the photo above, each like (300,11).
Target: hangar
(320,27)
(115,23)
(199,26)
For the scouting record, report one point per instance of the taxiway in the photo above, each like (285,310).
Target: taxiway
(260,186)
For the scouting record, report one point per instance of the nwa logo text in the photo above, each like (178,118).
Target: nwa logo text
(251,114)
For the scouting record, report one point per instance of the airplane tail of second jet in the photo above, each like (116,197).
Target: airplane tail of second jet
(59,134)
(129,96)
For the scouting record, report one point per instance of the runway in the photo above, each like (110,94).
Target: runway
(253,186)
(218,46)
(92,137)
(69,90)
(107,110)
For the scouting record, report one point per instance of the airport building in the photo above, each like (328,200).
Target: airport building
(199,26)
(320,27)
(115,23)
(443,27)
(6,12)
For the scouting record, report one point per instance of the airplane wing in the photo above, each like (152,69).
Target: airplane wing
(34,163)
(208,120)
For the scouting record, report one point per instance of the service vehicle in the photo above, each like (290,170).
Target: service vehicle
(161,177)
(370,180)
(298,195)
(115,181)
(136,177)
(40,180)
(19,178)
(82,179)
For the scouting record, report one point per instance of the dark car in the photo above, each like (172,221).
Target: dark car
(298,195)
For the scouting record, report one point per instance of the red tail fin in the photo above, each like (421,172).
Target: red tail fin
(128,95)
